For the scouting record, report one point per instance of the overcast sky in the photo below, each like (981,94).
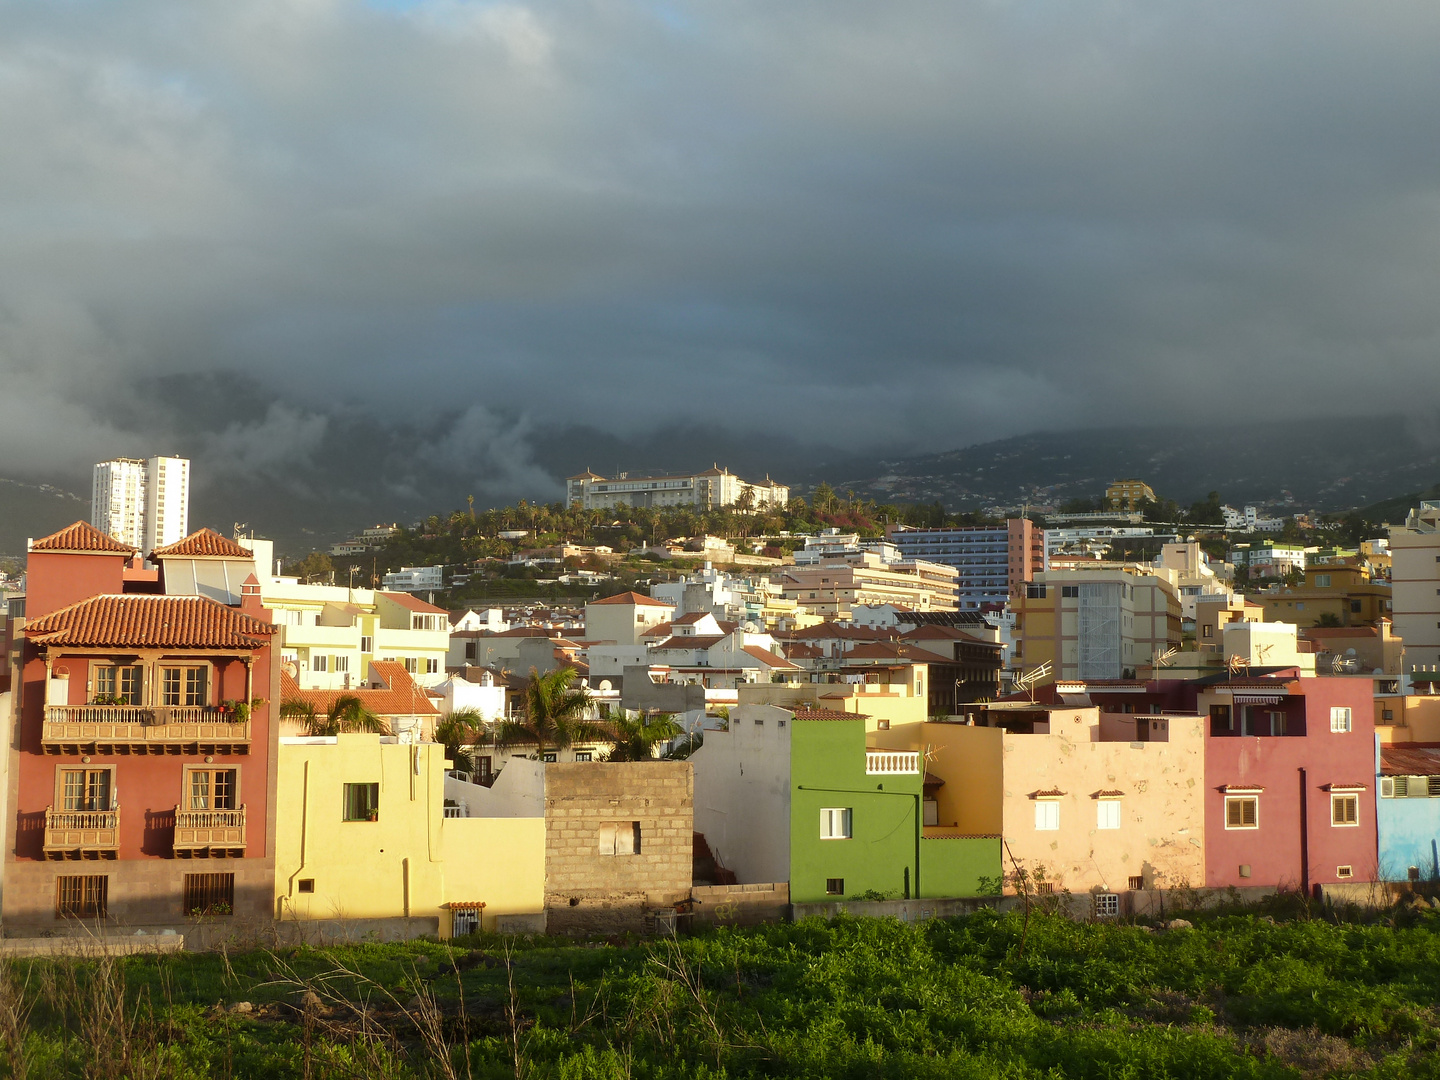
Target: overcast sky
(890,225)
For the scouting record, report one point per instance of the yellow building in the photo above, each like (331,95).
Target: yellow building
(1128,494)
(362,833)
(1343,593)
(889,696)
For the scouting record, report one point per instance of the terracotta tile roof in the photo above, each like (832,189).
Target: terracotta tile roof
(1353,786)
(1409,761)
(690,641)
(798,650)
(82,536)
(880,650)
(1049,793)
(769,659)
(638,599)
(807,712)
(414,603)
(692,618)
(194,622)
(659,631)
(400,695)
(202,544)
(1108,793)
(527,632)
(931,632)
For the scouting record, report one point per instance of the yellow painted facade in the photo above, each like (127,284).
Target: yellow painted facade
(410,860)
(897,697)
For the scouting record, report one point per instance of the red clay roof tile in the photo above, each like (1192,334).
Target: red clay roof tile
(192,622)
(638,599)
(82,536)
(202,544)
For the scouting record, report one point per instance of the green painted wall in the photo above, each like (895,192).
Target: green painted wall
(827,769)
(954,866)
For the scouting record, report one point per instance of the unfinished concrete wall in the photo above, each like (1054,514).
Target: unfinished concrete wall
(618,843)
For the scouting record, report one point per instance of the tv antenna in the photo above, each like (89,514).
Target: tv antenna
(1026,682)
(1164,658)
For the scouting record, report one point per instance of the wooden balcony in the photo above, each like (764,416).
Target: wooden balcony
(81,834)
(134,729)
(214,834)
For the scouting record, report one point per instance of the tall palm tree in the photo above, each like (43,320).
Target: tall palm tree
(554,713)
(635,740)
(347,713)
(459,733)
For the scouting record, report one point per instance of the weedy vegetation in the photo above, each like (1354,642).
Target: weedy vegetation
(1237,994)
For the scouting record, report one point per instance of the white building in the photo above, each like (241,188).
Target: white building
(167,501)
(1415,584)
(708,490)
(142,503)
(416,579)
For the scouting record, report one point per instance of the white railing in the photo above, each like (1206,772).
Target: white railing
(880,762)
(460,811)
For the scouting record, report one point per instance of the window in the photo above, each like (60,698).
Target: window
(367,644)
(85,789)
(882,725)
(1035,592)
(1339,718)
(1402,787)
(1219,718)
(1344,871)
(342,664)
(182,686)
(362,802)
(1137,882)
(472,650)
(1107,905)
(306,884)
(1432,786)
(411,665)
(1322,581)
(432,665)
(549,756)
(584,755)
(1107,814)
(1242,812)
(209,894)
(1208,630)
(1355,607)
(835,823)
(1244,869)
(1387,788)
(1414,872)
(1387,714)
(834,886)
(1070,590)
(81,896)
(620,838)
(319,663)
(1047,815)
(211,789)
(1344,810)
(119,685)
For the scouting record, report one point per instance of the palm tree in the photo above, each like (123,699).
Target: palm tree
(554,713)
(347,713)
(635,740)
(460,732)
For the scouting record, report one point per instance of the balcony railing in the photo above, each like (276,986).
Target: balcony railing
(209,832)
(882,762)
(140,729)
(81,834)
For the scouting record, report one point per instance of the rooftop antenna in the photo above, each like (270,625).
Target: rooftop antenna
(1163,659)
(1237,664)
(239,529)
(1026,682)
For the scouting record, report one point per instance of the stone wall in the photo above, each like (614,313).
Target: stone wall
(739,905)
(588,804)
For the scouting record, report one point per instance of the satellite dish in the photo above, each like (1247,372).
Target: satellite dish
(290,668)
(751,628)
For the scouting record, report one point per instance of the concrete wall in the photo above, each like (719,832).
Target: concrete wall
(518,791)
(590,892)
(739,905)
(1161,837)
(742,793)
(639,693)
(498,861)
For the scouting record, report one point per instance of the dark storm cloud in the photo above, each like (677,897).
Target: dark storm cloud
(897,225)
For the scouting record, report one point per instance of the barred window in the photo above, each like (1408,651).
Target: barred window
(82,896)
(209,894)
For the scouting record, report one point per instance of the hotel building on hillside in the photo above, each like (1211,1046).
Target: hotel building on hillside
(708,490)
(145,504)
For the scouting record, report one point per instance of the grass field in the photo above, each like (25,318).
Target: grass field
(1236,995)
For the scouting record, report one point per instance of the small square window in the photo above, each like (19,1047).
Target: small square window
(1340,719)
(1107,814)
(1137,882)
(362,802)
(1344,871)
(835,823)
(1242,812)
(620,838)
(882,725)
(1047,816)
(306,884)
(1107,905)
(1414,872)
(1244,869)
(835,886)
(549,756)
(1344,810)
(584,755)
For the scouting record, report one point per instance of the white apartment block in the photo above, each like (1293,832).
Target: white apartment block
(709,490)
(416,579)
(1415,585)
(142,503)
(117,500)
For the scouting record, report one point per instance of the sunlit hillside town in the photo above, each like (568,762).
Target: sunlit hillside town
(591,721)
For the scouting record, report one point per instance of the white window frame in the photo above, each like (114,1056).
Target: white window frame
(1341,719)
(1107,814)
(1242,799)
(836,823)
(1047,815)
(1337,798)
